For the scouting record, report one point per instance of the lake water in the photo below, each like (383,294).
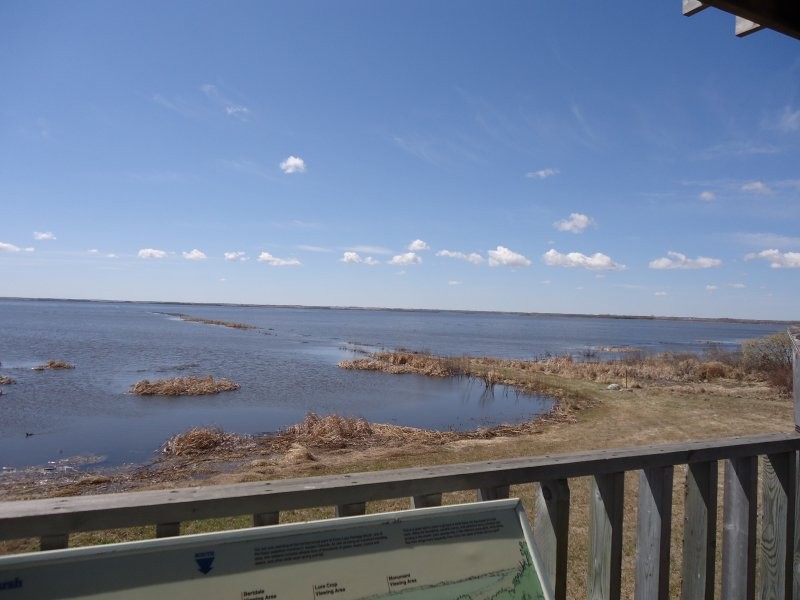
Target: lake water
(286,366)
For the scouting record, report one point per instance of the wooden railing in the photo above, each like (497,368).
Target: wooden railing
(52,520)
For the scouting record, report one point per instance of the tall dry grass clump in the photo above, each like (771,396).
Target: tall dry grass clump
(6,380)
(196,441)
(183,386)
(402,362)
(771,356)
(331,431)
(54,365)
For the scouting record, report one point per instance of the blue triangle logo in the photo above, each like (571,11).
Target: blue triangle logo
(204,560)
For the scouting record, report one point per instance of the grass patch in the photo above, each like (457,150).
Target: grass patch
(54,365)
(183,386)
(232,324)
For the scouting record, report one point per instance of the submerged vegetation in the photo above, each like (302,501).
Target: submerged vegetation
(183,386)
(191,319)
(54,365)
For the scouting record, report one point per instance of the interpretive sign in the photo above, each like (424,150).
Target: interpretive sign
(481,551)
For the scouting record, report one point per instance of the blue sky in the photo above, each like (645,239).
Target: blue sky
(580,157)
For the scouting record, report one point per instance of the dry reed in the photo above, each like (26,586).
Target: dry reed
(183,386)
(54,365)
(199,440)
(6,380)
(232,324)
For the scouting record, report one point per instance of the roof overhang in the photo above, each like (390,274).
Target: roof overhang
(753,15)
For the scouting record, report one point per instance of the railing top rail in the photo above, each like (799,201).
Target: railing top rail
(33,518)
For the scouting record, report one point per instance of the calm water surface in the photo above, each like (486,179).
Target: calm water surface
(286,367)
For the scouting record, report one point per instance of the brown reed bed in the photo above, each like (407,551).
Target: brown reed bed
(54,365)
(200,440)
(183,386)
(4,380)
(232,324)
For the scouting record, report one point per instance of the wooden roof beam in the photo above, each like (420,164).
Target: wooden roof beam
(752,15)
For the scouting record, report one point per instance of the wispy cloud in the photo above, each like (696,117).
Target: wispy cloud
(661,294)
(231,108)
(789,120)
(407,258)
(43,235)
(354,258)
(738,149)
(756,187)
(194,255)
(274,261)
(707,196)
(769,240)
(777,259)
(418,245)
(503,257)
(576,223)
(454,282)
(5,247)
(541,173)
(149,253)
(370,250)
(596,262)
(472,257)
(308,248)
(293,164)
(236,256)
(676,260)
(737,286)
(712,288)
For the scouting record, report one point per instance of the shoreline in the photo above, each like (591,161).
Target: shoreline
(533,314)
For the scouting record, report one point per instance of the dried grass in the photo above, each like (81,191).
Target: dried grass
(199,440)
(54,365)
(231,324)
(183,386)
(6,380)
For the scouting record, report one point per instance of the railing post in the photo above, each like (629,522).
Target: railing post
(654,525)
(605,537)
(551,531)
(739,529)
(266,518)
(794,334)
(700,531)
(493,493)
(778,526)
(55,541)
(351,510)
(168,530)
(426,500)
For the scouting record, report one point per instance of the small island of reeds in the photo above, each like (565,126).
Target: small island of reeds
(183,386)
(232,324)
(54,365)
(6,380)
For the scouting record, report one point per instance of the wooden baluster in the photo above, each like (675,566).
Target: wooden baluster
(700,531)
(351,510)
(492,493)
(654,525)
(739,529)
(168,529)
(551,531)
(426,500)
(605,537)
(266,518)
(54,541)
(778,526)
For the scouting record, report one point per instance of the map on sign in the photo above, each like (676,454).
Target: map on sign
(481,551)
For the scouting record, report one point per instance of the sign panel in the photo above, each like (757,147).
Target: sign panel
(481,551)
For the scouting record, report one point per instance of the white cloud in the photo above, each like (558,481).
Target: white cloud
(596,262)
(4,247)
(541,173)
(151,253)
(236,110)
(111,256)
(738,148)
(454,282)
(503,257)
(236,256)
(354,258)
(777,259)
(708,196)
(577,223)
(418,245)
(757,187)
(661,294)
(307,248)
(472,257)
(408,258)
(676,260)
(231,108)
(712,288)
(195,255)
(43,235)
(274,261)
(738,286)
(94,251)
(293,164)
